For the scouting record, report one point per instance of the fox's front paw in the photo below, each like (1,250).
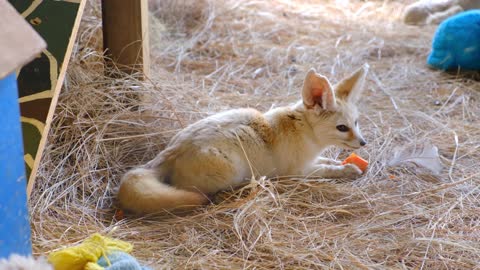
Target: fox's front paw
(327,161)
(338,171)
(351,171)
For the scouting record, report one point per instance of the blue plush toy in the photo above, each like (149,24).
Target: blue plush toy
(120,261)
(457,42)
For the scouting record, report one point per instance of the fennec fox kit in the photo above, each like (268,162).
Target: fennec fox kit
(225,149)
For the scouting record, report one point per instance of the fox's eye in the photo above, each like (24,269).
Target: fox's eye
(342,128)
(356,122)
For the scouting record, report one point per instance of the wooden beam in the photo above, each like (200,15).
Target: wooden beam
(125,34)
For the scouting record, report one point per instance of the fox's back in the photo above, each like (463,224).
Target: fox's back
(234,127)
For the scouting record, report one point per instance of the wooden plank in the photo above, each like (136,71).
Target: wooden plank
(125,34)
(40,81)
(19,41)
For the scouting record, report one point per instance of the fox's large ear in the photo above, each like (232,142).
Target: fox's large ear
(317,92)
(351,87)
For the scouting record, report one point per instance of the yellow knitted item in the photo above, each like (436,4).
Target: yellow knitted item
(85,255)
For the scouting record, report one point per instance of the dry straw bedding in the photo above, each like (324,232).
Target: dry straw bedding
(210,56)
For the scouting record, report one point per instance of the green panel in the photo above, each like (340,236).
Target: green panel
(31,78)
(54,21)
(30,146)
(21,5)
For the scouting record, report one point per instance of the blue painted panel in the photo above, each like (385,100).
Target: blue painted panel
(14,221)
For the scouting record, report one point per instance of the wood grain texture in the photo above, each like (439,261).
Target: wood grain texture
(125,34)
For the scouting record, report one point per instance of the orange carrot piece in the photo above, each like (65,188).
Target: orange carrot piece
(355,159)
(119,215)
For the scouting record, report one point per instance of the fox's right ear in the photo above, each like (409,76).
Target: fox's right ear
(318,92)
(350,88)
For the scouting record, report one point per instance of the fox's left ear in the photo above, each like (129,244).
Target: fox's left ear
(317,92)
(350,88)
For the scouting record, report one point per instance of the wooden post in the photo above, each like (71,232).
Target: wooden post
(125,34)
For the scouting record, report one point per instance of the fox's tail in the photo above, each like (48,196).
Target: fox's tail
(142,192)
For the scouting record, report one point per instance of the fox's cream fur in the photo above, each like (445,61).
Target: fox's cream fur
(224,150)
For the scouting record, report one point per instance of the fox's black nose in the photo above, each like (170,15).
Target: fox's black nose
(363,143)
